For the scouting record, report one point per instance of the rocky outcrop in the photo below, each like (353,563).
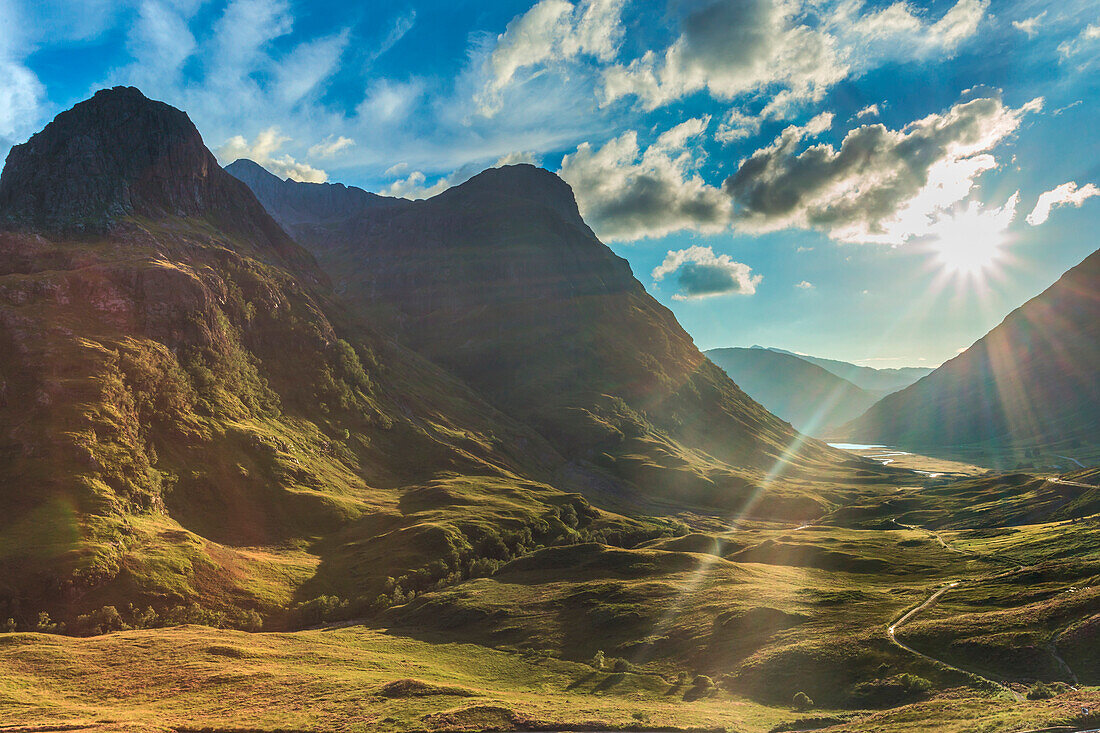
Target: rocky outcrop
(120,155)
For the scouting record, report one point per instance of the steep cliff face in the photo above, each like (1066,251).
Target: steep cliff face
(501,281)
(1034,380)
(120,155)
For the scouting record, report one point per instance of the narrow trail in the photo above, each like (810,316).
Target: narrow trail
(1070,483)
(1067,458)
(1017,567)
(912,613)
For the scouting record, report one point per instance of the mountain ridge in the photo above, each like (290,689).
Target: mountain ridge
(500,280)
(808,396)
(880,381)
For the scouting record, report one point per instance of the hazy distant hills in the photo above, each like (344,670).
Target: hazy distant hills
(876,381)
(1034,380)
(793,387)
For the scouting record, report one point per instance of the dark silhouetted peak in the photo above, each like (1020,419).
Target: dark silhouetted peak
(294,202)
(523,183)
(115,155)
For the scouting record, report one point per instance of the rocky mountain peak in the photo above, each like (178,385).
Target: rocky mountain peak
(118,154)
(121,154)
(523,183)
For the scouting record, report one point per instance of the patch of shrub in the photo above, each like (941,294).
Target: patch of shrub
(1041,691)
(801,701)
(890,690)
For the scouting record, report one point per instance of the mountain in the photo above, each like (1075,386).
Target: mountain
(193,419)
(178,386)
(500,281)
(797,390)
(878,382)
(1033,381)
(144,159)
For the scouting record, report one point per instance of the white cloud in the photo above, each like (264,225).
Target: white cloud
(264,150)
(1084,50)
(552,31)
(390,101)
(1029,26)
(402,24)
(736,125)
(520,156)
(1068,194)
(414,186)
(794,49)
(626,193)
(21,93)
(330,146)
(731,48)
(881,185)
(160,41)
(897,32)
(700,273)
(21,96)
(804,285)
(309,64)
(870,110)
(242,33)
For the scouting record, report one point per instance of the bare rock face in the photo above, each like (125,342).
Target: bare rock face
(119,155)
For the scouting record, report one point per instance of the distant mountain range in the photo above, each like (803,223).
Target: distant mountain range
(795,388)
(1031,382)
(877,382)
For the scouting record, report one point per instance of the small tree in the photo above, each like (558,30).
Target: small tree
(802,701)
(598,661)
(621,665)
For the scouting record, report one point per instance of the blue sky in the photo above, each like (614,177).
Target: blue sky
(879,181)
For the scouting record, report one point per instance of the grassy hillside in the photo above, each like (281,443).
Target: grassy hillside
(812,399)
(192,425)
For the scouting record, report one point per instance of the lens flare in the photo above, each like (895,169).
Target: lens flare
(973,240)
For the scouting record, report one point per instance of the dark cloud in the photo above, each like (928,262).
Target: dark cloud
(626,194)
(856,193)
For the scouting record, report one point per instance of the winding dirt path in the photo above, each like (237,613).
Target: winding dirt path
(912,613)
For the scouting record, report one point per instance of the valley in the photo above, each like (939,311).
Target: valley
(284,456)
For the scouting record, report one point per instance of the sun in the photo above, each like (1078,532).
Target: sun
(972,241)
(967,251)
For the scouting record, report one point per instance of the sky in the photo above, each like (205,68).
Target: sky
(879,182)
